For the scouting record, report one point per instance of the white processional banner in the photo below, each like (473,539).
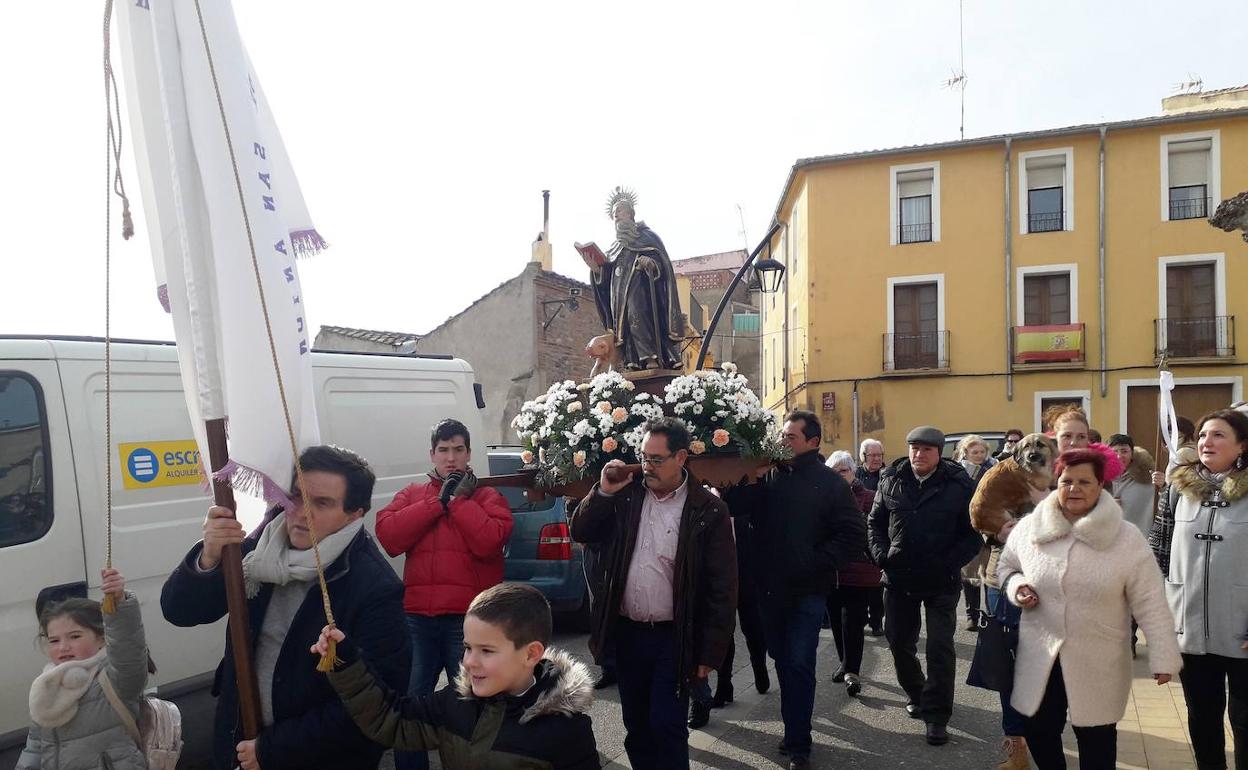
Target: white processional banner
(207,149)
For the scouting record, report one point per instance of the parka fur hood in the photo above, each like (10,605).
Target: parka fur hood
(1188,480)
(564,686)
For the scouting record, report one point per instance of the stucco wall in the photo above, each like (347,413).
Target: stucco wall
(493,335)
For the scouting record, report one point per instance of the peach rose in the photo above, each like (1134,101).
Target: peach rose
(603,406)
(578,459)
(609,444)
(697,447)
(619,415)
(575,406)
(720,438)
(526,457)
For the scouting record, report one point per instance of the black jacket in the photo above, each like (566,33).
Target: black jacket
(804,523)
(311,726)
(705,572)
(922,537)
(546,727)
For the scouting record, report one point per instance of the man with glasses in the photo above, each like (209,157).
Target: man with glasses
(667,614)
(805,524)
(870,463)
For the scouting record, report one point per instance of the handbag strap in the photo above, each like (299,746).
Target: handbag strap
(127,719)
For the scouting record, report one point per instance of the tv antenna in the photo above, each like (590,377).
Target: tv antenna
(1193,85)
(957,79)
(741,217)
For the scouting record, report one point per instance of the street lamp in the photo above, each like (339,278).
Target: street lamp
(768,272)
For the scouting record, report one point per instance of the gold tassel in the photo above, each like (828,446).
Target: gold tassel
(329,661)
(109,605)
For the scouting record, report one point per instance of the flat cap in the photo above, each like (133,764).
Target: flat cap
(927,435)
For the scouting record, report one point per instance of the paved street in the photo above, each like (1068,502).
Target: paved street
(871,731)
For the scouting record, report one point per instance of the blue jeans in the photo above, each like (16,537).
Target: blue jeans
(1013,723)
(437,646)
(655,719)
(792,631)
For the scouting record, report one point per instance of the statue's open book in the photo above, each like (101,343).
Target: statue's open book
(592,255)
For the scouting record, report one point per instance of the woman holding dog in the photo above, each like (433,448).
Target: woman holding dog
(1080,573)
(1006,495)
(1208,549)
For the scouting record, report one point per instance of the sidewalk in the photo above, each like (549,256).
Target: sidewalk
(1153,734)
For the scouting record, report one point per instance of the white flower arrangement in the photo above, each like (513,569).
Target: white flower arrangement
(573,430)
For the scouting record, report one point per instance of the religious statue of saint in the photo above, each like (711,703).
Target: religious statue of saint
(635,291)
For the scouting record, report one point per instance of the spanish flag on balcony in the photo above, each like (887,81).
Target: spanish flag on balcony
(1046,344)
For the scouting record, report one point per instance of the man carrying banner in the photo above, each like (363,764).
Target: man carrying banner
(304,723)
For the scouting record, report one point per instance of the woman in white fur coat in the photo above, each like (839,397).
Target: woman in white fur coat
(1080,574)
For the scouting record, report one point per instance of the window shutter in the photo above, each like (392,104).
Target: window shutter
(1189,162)
(913,183)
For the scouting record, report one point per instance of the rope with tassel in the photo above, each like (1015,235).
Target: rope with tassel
(113,185)
(328,661)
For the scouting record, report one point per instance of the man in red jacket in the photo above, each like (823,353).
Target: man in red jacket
(453,534)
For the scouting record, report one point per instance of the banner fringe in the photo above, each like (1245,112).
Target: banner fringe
(252,482)
(307,243)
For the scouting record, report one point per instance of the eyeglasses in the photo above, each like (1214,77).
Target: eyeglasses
(655,460)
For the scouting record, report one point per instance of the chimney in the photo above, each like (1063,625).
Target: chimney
(542,252)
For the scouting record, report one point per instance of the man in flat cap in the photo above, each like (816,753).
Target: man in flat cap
(920,535)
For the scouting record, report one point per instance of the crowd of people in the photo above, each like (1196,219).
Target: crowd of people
(1054,542)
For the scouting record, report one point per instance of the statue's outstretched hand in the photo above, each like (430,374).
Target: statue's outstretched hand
(648,266)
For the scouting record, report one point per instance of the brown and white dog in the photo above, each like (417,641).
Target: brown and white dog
(1013,486)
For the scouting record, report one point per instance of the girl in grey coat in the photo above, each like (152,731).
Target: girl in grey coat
(1207,587)
(74,727)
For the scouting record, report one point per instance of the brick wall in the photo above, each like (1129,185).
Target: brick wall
(560,347)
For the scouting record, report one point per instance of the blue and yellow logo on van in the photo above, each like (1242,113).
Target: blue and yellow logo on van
(159,464)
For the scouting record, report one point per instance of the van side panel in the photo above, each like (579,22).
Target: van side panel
(53,557)
(153,524)
(386,414)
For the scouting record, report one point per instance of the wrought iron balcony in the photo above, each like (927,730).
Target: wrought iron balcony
(1049,344)
(1045,221)
(1210,337)
(1189,208)
(916,232)
(916,352)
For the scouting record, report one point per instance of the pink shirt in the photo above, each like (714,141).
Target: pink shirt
(648,592)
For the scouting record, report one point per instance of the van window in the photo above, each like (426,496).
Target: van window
(25,507)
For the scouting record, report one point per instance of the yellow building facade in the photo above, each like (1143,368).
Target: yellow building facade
(971,284)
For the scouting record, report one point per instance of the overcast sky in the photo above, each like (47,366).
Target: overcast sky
(423,133)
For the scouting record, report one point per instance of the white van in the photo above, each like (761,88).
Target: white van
(52,495)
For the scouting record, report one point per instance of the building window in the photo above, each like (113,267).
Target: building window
(916,337)
(25,512)
(1046,190)
(1046,299)
(914,207)
(1045,400)
(1194,323)
(1189,179)
(1190,175)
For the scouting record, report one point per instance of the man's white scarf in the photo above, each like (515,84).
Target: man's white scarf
(274,561)
(55,694)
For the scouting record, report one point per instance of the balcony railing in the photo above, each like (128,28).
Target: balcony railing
(913,352)
(1045,221)
(918,232)
(1189,208)
(1049,344)
(1210,337)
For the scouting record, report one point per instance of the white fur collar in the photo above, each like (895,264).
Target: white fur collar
(1098,528)
(55,693)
